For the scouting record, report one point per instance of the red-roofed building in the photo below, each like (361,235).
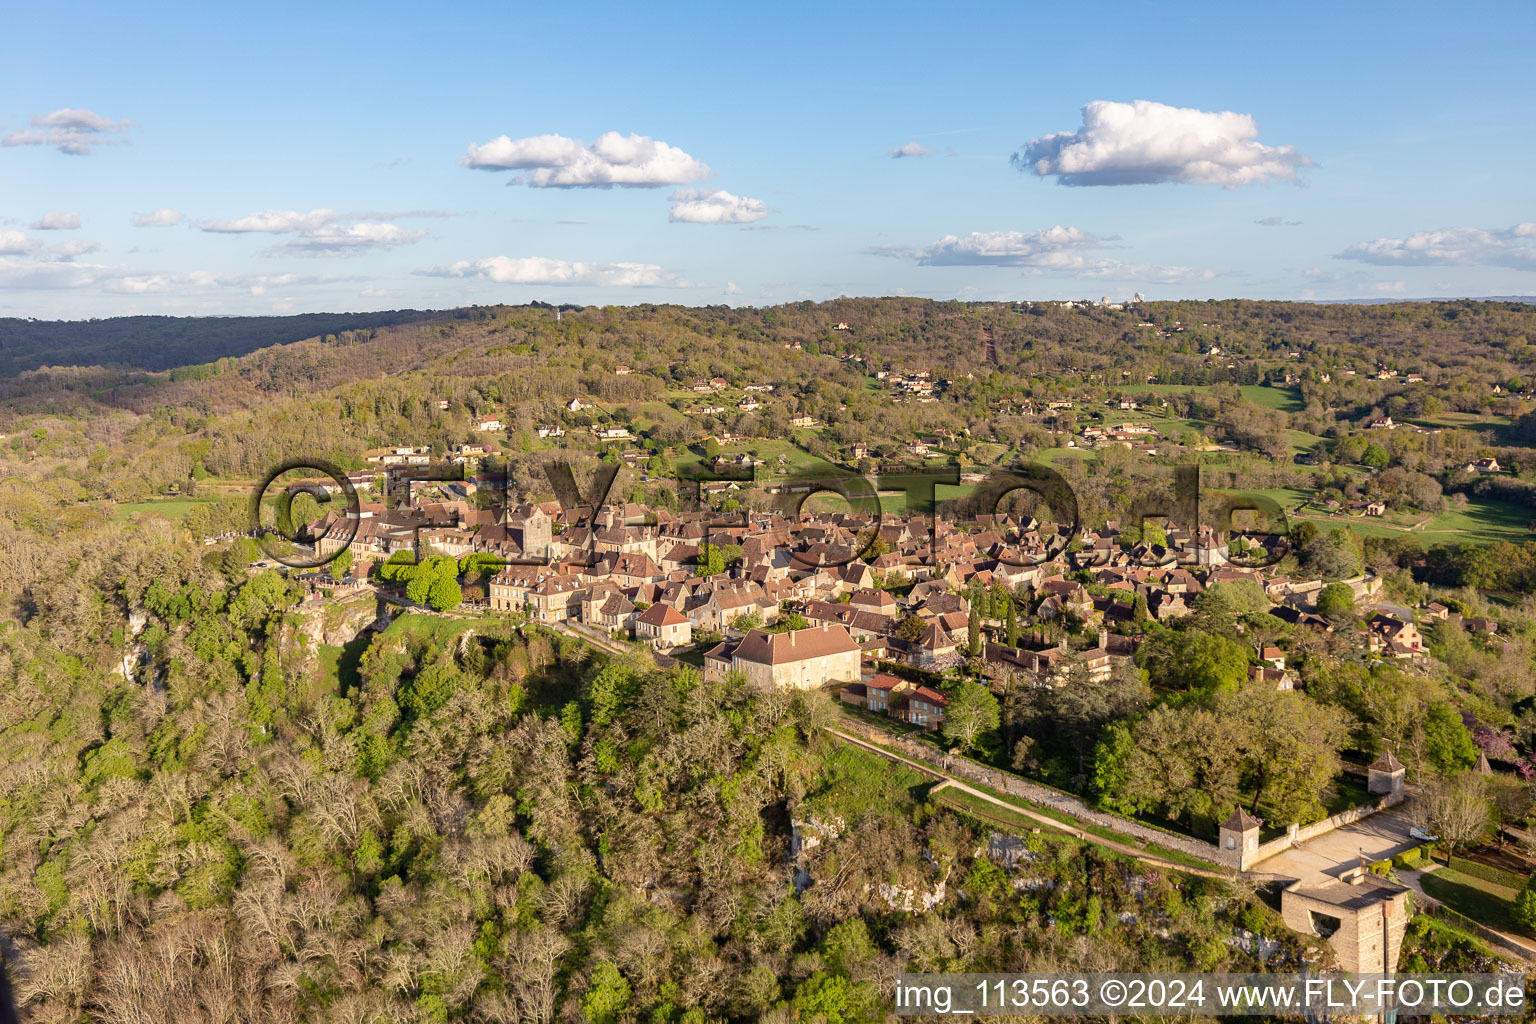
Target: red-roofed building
(663,626)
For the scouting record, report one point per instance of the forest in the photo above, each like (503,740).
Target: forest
(479,820)
(222,802)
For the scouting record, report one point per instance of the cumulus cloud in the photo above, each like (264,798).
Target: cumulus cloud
(58,220)
(1063,250)
(546,271)
(1050,247)
(1512,247)
(324,232)
(69,250)
(19,243)
(1276,222)
(165,217)
(1143,143)
(698,206)
(76,132)
(909,149)
(554,161)
(731,288)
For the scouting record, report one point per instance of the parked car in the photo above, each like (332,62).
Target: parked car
(1423,835)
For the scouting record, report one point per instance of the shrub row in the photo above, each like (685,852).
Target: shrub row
(1488,873)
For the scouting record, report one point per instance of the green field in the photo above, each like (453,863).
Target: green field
(1284,399)
(170,508)
(1498,426)
(1481,522)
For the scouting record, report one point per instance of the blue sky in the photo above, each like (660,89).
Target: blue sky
(320,157)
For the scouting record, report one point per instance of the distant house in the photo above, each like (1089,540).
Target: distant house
(576,405)
(802,420)
(400,455)
(1394,637)
(881,691)
(551,430)
(1279,678)
(1483,466)
(1381,423)
(925,707)
(663,626)
(489,423)
(612,432)
(622,371)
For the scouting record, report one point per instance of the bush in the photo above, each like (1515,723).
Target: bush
(1523,910)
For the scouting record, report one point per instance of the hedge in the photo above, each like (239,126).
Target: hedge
(1488,873)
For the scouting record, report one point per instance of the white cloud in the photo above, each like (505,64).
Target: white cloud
(1277,222)
(554,161)
(698,206)
(546,271)
(20,274)
(17,243)
(75,132)
(58,220)
(997,248)
(909,149)
(1144,143)
(731,288)
(324,232)
(1512,247)
(1395,287)
(69,250)
(1059,250)
(164,217)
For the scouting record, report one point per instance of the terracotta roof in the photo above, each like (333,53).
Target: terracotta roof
(930,695)
(885,681)
(663,615)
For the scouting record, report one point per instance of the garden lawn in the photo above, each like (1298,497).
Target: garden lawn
(1481,901)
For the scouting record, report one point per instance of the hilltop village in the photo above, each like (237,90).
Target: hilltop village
(918,592)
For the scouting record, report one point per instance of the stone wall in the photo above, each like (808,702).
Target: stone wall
(1034,792)
(1296,834)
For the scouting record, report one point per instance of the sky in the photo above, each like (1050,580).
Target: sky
(225,159)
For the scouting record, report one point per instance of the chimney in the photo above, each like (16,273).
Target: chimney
(1103,637)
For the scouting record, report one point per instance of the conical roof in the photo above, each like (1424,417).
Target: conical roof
(1241,821)
(1386,762)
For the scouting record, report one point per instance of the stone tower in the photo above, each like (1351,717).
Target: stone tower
(1363,917)
(1385,777)
(534,530)
(1239,839)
